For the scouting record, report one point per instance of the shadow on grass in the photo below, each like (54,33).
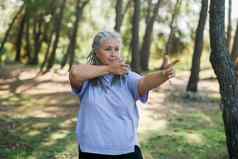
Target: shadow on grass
(40,138)
(36,125)
(194,129)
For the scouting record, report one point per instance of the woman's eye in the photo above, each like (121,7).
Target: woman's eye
(108,49)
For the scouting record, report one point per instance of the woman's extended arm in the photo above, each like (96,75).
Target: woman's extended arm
(79,73)
(154,80)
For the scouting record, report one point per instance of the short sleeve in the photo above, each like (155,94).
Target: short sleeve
(133,86)
(80,91)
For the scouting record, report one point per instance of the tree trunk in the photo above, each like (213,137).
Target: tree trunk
(119,14)
(37,32)
(198,46)
(225,72)
(135,59)
(48,35)
(234,53)
(145,50)
(46,57)
(72,45)
(58,25)
(19,39)
(169,46)
(70,53)
(229,28)
(28,40)
(10,28)
(148,11)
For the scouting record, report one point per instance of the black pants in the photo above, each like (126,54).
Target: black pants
(133,155)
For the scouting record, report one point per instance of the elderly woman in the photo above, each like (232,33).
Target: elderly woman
(108,91)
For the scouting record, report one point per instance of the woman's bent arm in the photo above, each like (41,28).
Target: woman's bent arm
(82,72)
(79,73)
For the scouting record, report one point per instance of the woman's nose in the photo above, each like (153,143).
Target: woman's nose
(113,53)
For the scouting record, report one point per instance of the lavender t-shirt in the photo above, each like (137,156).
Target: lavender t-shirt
(108,118)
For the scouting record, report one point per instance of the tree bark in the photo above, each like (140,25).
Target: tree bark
(37,22)
(37,32)
(19,39)
(28,40)
(229,28)
(234,53)
(145,50)
(119,14)
(198,46)
(135,59)
(225,72)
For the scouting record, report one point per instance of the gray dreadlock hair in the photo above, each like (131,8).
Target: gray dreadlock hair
(93,59)
(97,42)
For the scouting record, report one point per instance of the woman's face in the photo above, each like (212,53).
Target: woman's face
(109,51)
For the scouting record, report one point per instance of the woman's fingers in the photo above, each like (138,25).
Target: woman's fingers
(171,64)
(169,73)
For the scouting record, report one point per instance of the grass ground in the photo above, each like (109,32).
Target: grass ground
(38,117)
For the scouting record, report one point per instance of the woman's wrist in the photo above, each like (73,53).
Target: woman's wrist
(107,69)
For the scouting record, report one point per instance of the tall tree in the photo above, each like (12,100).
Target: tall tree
(234,53)
(27,39)
(37,34)
(73,38)
(225,71)
(57,26)
(172,26)
(119,15)
(120,11)
(10,28)
(135,43)
(229,28)
(48,34)
(20,38)
(70,53)
(198,46)
(145,49)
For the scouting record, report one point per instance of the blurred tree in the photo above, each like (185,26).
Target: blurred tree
(172,26)
(57,27)
(19,38)
(150,19)
(73,36)
(198,47)
(120,11)
(49,33)
(9,29)
(28,39)
(135,44)
(225,71)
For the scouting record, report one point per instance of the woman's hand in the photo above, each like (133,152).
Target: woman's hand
(166,69)
(154,80)
(118,67)
(167,73)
